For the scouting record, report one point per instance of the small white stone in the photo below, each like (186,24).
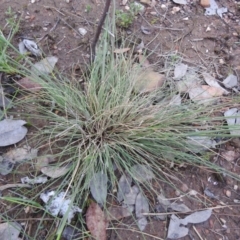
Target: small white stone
(163,6)
(32,1)
(82,31)
(45,29)
(127,8)
(235,187)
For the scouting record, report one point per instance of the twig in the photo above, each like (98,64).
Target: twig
(99,28)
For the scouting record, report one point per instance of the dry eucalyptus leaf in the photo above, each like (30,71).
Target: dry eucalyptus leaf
(200,96)
(180,207)
(121,50)
(231,81)
(10,230)
(175,231)
(142,223)
(141,173)
(233,120)
(163,201)
(117,213)
(98,187)
(22,48)
(11,131)
(211,81)
(96,222)
(45,66)
(201,143)
(29,85)
(15,185)
(6,166)
(141,205)
(180,71)
(183,2)
(55,171)
(32,47)
(197,217)
(213,91)
(124,187)
(130,198)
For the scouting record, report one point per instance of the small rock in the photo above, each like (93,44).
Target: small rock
(177,193)
(184,187)
(32,1)
(231,81)
(45,29)
(175,10)
(163,6)
(228,193)
(235,187)
(205,3)
(82,31)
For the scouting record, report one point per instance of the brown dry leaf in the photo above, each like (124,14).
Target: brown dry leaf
(143,61)
(117,213)
(121,50)
(213,91)
(148,81)
(211,81)
(96,222)
(27,84)
(148,2)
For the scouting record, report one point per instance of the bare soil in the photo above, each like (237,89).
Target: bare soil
(209,42)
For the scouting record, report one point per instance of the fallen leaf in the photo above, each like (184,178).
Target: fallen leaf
(175,231)
(197,217)
(22,48)
(142,223)
(36,180)
(200,96)
(19,155)
(55,171)
(148,2)
(211,81)
(15,185)
(121,50)
(201,143)
(45,66)
(10,230)
(180,1)
(233,120)
(146,30)
(148,81)
(180,71)
(124,186)
(117,213)
(141,173)
(11,131)
(59,204)
(44,161)
(130,198)
(96,222)
(32,47)
(4,101)
(98,187)
(141,205)
(180,207)
(231,81)
(29,85)
(213,91)
(163,201)
(176,100)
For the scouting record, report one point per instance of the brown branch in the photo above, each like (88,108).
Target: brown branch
(99,28)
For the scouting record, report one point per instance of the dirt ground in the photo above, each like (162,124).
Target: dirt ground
(209,42)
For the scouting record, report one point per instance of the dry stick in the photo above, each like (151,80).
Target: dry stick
(99,28)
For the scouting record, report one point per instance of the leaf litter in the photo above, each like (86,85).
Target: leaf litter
(10,230)
(12,131)
(96,221)
(98,187)
(177,227)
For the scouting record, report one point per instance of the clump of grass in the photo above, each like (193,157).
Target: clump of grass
(104,124)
